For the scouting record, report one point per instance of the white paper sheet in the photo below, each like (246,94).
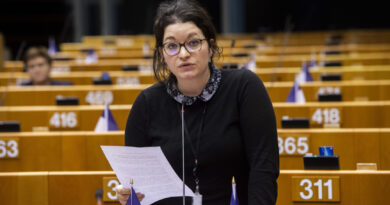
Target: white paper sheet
(150,170)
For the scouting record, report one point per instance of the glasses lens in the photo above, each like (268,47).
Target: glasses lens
(172,48)
(193,45)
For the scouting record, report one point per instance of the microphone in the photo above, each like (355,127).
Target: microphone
(231,52)
(99,195)
(182,152)
(233,42)
(197,198)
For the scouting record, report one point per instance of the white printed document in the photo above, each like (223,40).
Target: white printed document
(150,170)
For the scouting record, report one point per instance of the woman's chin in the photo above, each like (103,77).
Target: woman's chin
(187,75)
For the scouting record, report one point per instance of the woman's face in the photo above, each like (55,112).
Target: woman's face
(186,65)
(39,69)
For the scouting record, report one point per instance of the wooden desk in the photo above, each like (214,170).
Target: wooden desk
(85,77)
(346,114)
(310,49)
(320,38)
(266,74)
(375,90)
(346,72)
(81,65)
(84,117)
(351,145)
(357,34)
(380,58)
(58,151)
(87,94)
(345,60)
(80,150)
(259,50)
(66,118)
(355,187)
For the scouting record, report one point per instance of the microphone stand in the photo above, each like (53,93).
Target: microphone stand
(231,53)
(99,196)
(182,152)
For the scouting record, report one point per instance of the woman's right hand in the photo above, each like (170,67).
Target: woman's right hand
(123,194)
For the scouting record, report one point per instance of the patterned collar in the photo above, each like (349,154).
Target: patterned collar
(206,94)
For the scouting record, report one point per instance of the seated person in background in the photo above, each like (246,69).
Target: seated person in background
(37,63)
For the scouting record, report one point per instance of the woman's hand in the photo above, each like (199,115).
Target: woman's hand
(123,194)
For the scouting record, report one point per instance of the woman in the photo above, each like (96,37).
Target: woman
(38,63)
(229,123)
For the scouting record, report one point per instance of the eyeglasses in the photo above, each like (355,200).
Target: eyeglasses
(173,48)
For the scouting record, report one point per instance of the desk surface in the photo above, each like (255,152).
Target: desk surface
(80,150)
(146,77)
(358,90)
(380,58)
(355,187)
(376,114)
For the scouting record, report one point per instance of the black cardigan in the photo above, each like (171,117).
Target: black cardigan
(238,138)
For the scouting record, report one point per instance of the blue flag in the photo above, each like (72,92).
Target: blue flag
(52,47)
(133,199)
(91,57)
(296,94)
(234,198)
(106,121)
(304,75)
(308,77)
(313,61)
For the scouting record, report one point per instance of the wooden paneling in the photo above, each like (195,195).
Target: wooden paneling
(374,90)
(351,145)
(87,94)
(380,58)
(353,114)
(79,150)
(60,151)
(88,115)
(265,74)
(356,187)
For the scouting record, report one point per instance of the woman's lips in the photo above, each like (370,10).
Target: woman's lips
(186,66)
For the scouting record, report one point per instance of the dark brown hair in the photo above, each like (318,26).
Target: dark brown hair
(35,52)
(180,11)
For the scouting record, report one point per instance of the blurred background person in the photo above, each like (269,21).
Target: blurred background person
(38,63)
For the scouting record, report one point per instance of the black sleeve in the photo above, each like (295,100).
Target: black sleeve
(136,126)
(258,127)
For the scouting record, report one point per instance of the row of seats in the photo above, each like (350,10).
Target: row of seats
(267,75)
(307,38)
(114,53)
(261,61)
(84,117)
(80,150)
(137,42)
(374,90)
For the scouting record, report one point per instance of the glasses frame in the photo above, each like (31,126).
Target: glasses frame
(184,45)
